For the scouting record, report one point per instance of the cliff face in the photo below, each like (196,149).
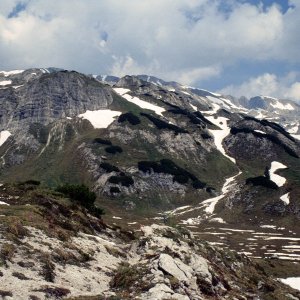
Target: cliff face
(50,97)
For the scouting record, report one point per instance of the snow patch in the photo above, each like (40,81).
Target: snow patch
(141,103)
(4,135)
(294,129)
(285,198)
(282,106)
(260,131)
(293,282)
(219,135)
(5,82)
(219,220)
(100,118)
(296,136)
(268,226)
(17,86)
(14,72)
(260,115)
(3,203)
(193,107)
(279,180)
(211,203)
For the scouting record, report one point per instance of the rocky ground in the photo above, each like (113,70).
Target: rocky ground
(51,248)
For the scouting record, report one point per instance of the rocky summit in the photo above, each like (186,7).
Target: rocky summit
(139,188)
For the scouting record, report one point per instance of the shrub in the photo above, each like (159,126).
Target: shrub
(206,136)
(167,166)
(32,182)
(114,190)
(262,181)
(123,180)
(79,193)
(114,149)
(108,167)
(197,184)
(102,141)
(160,124)
(182,179)
(125,277)
(130,117)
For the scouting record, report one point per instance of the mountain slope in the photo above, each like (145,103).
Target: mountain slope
(152,150)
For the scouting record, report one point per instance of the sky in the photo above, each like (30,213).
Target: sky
(235,47)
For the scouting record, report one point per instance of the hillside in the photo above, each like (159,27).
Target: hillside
(53,248)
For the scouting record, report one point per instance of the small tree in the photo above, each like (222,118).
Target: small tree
(79,193)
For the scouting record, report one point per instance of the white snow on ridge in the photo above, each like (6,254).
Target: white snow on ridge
(282,106)
(5,82)
(4,135)
(100,118)
(279,180)
(14,72)
(293,282)
(219,135)
(141,103)
(285,198)
(3,203)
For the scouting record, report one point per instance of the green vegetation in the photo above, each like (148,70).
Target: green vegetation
(108,167)
(167,166)
(160,124)
(130,117)
(113,149)
(123,180)
(81,195)
(102,141)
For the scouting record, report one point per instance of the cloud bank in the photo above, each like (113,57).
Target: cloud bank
(190,41)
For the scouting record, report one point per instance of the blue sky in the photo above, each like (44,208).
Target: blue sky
(235,47)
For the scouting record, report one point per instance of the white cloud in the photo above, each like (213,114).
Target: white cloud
(183,40)
(267,85)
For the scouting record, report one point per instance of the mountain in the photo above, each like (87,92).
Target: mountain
(158,152)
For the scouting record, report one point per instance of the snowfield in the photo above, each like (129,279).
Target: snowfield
(4,135)
(293,282)
(14,72)
(285,198)
(5,82)
(282,106)
(219,135)
(141,103)
(279,180)
(100,118)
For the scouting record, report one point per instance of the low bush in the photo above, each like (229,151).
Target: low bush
(262,181)
(123,180)
(114,190)
(102,141)
(78,193)
(114,149)
(130,117)
(160,124)
(167,166)
(108,167)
